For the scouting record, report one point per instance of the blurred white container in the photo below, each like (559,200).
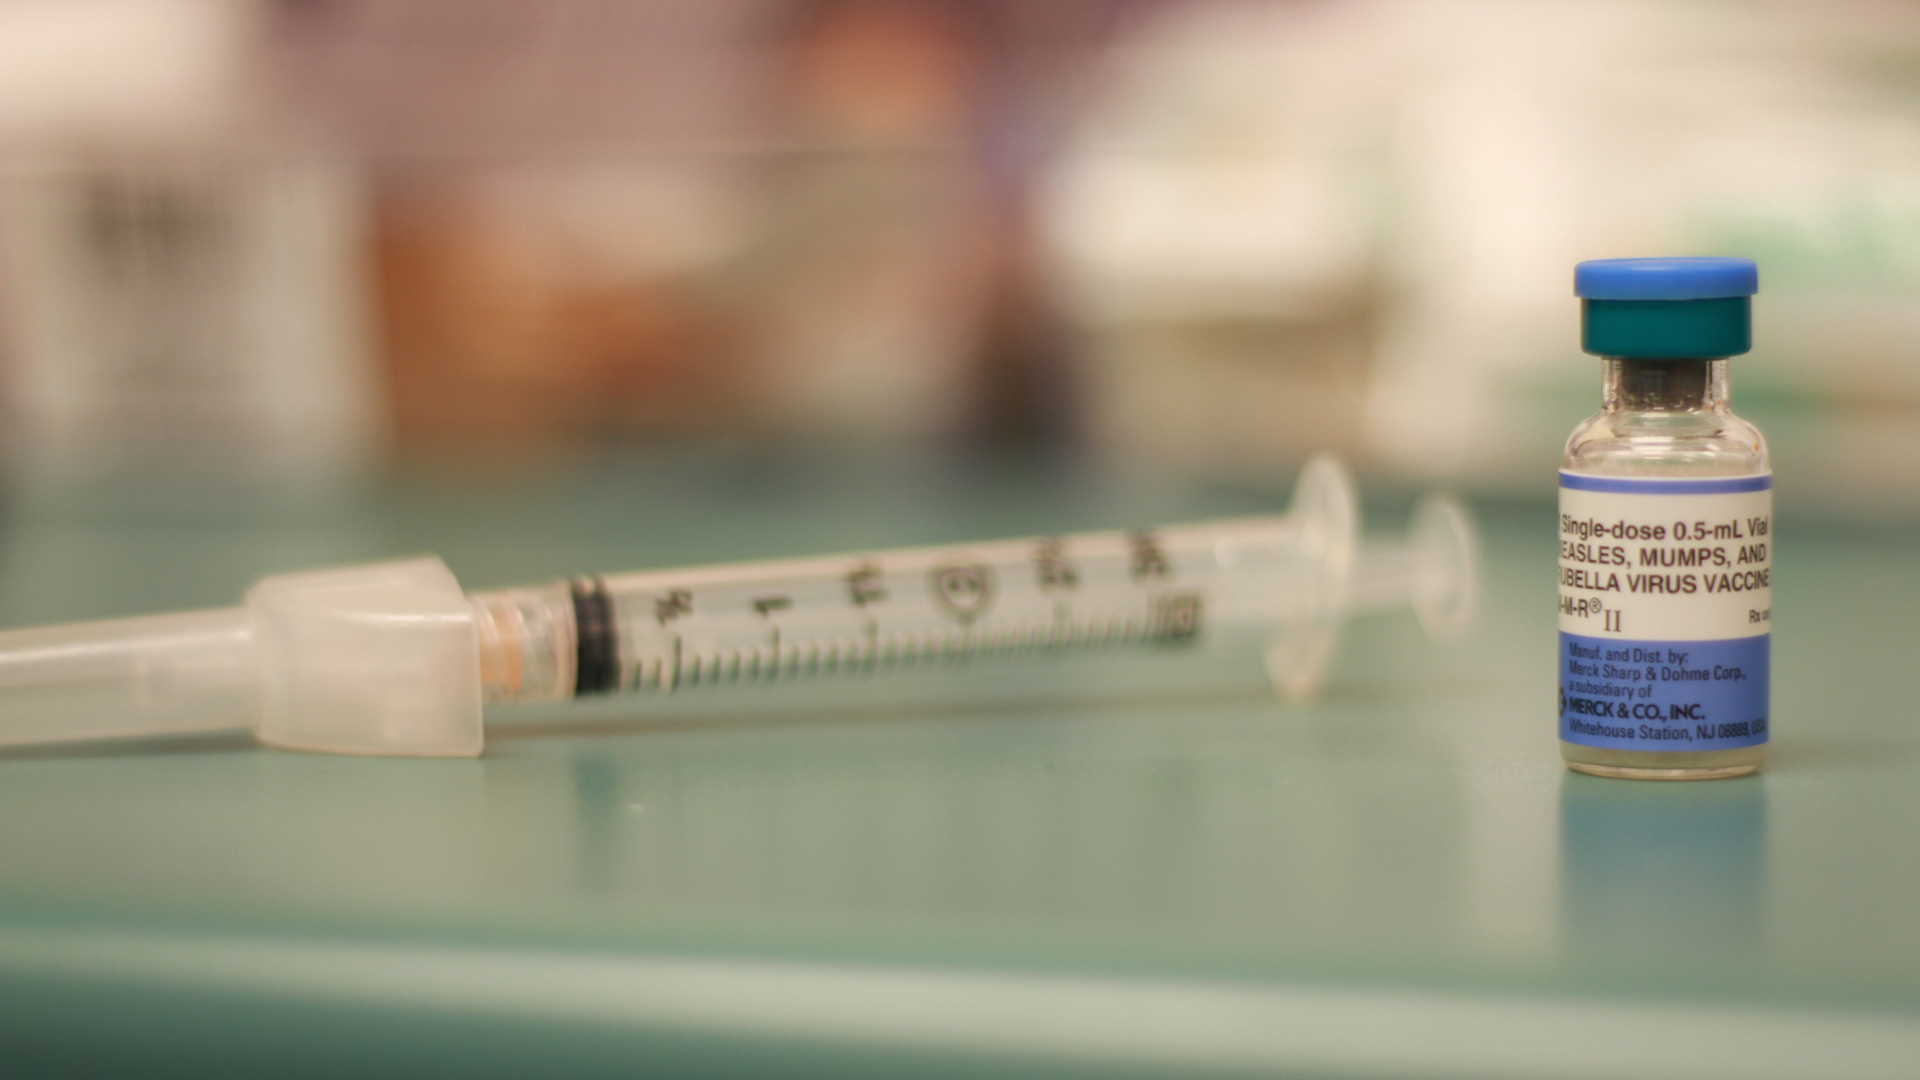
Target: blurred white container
(1534,136)
(183,300)
(1351,223)
(1215,222)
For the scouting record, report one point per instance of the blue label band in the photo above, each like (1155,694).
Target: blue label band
(1664,695)
(1620,485)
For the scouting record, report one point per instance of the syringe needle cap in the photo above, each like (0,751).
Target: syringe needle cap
(376,659)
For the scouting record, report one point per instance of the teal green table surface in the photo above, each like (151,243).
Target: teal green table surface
(1140,867)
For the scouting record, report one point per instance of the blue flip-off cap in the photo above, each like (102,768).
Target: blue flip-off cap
(1666,308)
(1687,278)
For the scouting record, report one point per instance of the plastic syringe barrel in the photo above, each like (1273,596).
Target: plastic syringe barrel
(154,675)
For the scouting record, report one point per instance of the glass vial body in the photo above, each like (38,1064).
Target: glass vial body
(1701,526)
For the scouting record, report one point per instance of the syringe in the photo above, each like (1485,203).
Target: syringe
(394,659)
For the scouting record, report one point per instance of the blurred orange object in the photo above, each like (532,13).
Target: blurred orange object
(509,331)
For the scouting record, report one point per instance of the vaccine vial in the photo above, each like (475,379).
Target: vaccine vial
(1666,531)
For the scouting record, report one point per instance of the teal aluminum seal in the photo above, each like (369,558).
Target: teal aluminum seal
(1667,329)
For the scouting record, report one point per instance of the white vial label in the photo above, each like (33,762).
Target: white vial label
(1665,611)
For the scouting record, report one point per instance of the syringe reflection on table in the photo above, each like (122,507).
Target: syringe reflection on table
(395,659)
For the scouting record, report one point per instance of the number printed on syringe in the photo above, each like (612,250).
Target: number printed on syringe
(816,617)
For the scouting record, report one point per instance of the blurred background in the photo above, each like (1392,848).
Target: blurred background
(308,245)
